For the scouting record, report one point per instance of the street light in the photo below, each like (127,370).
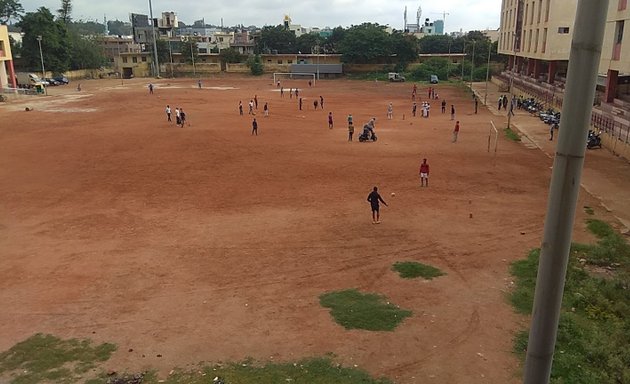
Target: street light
(472,64)
(511,110)
(155,53)
(41,55)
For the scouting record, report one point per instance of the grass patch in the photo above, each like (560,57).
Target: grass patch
(310,371)
(46,358)
(355,310)
(412,269)
(589,210)
(510,134)
(593,344)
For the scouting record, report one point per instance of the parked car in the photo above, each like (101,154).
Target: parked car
(61,79)
(51,81)
(433,79)
(395,77)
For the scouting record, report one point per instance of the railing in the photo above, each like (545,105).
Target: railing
(599,120)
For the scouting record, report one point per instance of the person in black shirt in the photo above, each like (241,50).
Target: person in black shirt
(254,127)
(374,199)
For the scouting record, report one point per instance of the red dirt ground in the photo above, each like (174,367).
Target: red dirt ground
(205,243)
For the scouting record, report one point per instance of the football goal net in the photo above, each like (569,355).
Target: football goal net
(279,76)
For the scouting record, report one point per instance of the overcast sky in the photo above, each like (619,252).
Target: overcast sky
(463,14)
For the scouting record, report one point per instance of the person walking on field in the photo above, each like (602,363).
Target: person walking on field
(281,91)
(321,102)
(266,109)
(290,93)
(254,127)
(300,104)
(240,108)
(256,101)
(178,117)
(182,116)
(452,112)
(150,88)
(424,173)
(390,111)
(374,198)
(168,113)
(414,108)
(444,106)
(199,83)
(330,120)
(456,132)
(500,102)
(315,102)
(476,104)
(251,107)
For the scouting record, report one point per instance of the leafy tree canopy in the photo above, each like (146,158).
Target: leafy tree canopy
(230,55)
(364,43)
(276,38)
(54,41)
(10,9)
(308,42)
(119,28)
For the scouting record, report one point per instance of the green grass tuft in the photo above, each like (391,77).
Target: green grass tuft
(355,310)
(412,269)
(511,134)
(593,344)
(43,358)
(589,210)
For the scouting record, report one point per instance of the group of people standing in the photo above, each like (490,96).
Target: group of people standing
(180,115)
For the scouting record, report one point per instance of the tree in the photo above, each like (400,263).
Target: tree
(255,65)
(364,43)
(90,28)
(189,50)
(331,45)
(276,39)
(405,47)
(16,47)
(86,52)
(437,44)
(65,11)
(119,28)
(163,51)
(54,40)
(10,9)
(306,42)
(230,55)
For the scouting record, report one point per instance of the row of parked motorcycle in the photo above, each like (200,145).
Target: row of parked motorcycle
(552,117)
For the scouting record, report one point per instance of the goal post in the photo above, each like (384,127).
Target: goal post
(277,76)
(493,132)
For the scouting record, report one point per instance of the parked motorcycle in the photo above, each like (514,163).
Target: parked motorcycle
(594,140)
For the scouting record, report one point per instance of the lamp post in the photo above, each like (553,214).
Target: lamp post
(192,56)
(170,53)
(41,55)
(472,64)
(511,110)
(120,61)
(155,53)
(485,96)
(448,63)
(463,59)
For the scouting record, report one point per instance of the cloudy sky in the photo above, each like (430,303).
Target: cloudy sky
(463,14)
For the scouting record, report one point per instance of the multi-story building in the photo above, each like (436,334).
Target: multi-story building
(167,24)
(114,46)
(536,34)
(7,73)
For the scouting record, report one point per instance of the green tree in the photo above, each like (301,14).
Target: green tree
(54,40)
(405,47)
(230,55)
(16,47)
(364,43)
(255,65)
(10,9)
(86,52)
(90,28)
(163,50)
(189,50)
(331,45)
(436,44)
(306,42)
(64,13)
(276,39)
(119,28)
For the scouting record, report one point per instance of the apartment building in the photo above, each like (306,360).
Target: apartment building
(537,34)
(7,73)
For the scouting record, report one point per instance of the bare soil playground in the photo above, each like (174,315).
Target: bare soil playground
(205,243)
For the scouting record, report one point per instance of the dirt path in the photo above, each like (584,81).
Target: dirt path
(205,243)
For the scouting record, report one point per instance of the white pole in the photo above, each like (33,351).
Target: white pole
(485,96)
(472,64)
(41,55)
(155,53)
(584,59)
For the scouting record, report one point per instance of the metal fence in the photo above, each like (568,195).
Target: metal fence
(599,120)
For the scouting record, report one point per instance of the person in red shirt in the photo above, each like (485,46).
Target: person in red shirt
(424,173)
(456,131)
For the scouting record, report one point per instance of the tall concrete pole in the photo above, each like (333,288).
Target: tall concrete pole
(584,59)
(485,96)
(155,53)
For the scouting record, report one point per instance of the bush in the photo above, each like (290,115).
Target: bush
(255,65)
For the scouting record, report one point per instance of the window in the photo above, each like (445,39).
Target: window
(529,41)
(547,11)
(526,12)
(563,30)
(623,4)
(134,59)
(280,61)
(618,39)
(544,42)
(289,61)
(531,17)
(536,43)
(124,60)
(203,50)
(144,59)
(269,61)
(539,10)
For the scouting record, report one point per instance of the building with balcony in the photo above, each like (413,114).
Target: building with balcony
(7,72)
(167,24)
